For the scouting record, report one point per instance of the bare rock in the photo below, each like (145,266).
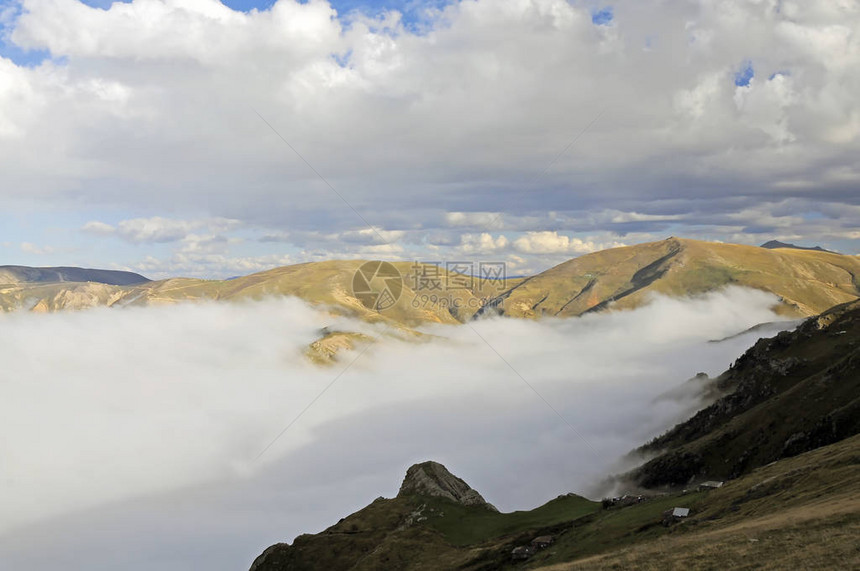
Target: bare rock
(433,479)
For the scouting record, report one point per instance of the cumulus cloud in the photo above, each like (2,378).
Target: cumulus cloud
(142,425)
(31,248)
(483,243)
(207,264)
(158,229)
(372,236)
(146,106)
(555,243)
(481,219)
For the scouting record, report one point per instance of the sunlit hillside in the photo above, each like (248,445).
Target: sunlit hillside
(807,281)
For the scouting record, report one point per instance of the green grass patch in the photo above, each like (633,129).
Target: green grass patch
(464,525)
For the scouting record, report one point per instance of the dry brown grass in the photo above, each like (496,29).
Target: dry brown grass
(808,543)
(808,518)
(808,282)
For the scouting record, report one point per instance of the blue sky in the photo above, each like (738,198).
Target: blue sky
(745,74)
(602,16)
(412,11)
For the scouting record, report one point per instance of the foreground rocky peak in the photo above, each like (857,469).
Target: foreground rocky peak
(434,479)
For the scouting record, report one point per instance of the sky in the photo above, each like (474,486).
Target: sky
(113,459)
(191,137)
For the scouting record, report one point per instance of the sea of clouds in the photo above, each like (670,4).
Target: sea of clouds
(132,438)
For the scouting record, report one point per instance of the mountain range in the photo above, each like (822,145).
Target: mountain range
(806,282)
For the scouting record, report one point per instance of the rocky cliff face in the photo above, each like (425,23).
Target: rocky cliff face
(434,480)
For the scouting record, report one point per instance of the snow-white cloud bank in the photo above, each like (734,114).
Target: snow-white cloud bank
(130,437)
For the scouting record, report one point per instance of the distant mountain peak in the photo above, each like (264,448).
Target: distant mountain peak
(32,275)
(774,244)
(434,479)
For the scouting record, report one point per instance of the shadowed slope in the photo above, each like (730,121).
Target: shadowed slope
(788,394)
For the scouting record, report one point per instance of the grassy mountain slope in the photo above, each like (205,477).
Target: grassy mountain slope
(787,394)
(797,513)
(800,512)
(324,283)
(420,531)
(48,297)
(807,281)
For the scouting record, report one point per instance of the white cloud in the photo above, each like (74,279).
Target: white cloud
(149,107)
(534,78)
(158,229)
(486,220)
(555,243)
(384,250)
(483,243)
(372,235)
(96,227)
(171,405)
(30,248)
(208,264)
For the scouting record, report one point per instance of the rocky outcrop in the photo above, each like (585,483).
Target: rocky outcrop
(324,351)
(433,479)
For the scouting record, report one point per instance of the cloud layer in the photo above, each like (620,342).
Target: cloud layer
(147,422)
(736,121)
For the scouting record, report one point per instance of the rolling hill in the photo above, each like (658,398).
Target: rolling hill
(807,281)
(327,284)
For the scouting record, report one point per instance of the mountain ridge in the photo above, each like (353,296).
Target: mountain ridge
(61,274)
(806,282)
(775,244)
(785,395)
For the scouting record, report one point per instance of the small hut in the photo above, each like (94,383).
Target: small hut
(542,542)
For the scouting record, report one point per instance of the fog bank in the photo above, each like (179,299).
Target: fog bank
(130,437)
